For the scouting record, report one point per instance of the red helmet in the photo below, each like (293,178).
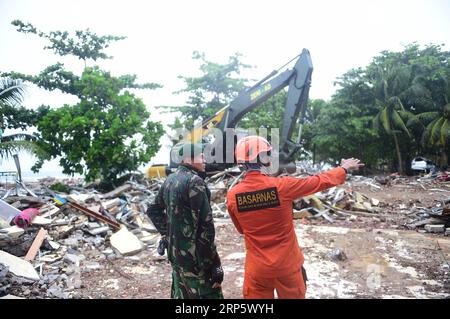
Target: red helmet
(249,147)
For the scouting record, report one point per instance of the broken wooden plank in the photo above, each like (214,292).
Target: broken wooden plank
(111,203)
(28,199)
(373,185)
(315,202)
(79,198)
(423,222)
(349,212)
(98,216)
(117,192)
(41,221)
(36,244)
(440,228)
(299,214)
(48,210)
(438,190)
(98,231)
(324,215)
(51,258)
(119,271)
(12,231)
(11,297)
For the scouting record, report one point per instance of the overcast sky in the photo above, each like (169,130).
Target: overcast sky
(161,36)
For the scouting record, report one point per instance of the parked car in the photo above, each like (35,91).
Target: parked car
(422,164)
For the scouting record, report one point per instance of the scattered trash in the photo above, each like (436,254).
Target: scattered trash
(435,228)
(433,219)
(25,217)
(8,212)
(338,255)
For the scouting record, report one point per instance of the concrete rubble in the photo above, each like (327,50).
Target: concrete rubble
(18,266)
(125,242)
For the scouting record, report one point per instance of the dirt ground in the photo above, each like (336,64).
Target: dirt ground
(381,258)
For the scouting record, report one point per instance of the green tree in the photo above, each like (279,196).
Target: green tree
(342,126)
(344,130)
(108,132)
(427,66)
(312,114)
(389,91)
(85,45)
(208,93)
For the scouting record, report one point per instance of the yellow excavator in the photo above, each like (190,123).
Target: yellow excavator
(220,152)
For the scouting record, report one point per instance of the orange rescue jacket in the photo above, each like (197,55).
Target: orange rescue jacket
(261,208)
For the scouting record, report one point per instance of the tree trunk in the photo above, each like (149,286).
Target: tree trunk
(399,155)
(314,154)
(444,159)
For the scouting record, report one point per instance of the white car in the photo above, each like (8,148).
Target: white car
(422,164)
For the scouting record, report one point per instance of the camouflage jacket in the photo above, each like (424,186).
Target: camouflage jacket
(182,212)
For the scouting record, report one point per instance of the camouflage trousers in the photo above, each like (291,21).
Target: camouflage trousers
(190,286)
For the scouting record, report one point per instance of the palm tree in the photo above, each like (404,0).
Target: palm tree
(14,143)
(390,88)
(436,124)
(11,91)
(11,95)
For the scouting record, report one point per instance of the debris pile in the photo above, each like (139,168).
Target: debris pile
(219,184)
(84,230)
(337,202)
(434,219)
(45,259)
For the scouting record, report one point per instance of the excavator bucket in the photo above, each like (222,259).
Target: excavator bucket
(157,171)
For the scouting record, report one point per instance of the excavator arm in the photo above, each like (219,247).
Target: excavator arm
(298,81)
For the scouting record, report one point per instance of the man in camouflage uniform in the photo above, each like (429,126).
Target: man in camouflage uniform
(182,215)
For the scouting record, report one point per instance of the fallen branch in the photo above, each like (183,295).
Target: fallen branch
(236,180)
(119,271)
(350,212)
(438,190)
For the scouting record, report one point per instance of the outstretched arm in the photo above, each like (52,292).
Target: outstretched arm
(298,187)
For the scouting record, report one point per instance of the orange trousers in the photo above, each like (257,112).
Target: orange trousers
(292,286)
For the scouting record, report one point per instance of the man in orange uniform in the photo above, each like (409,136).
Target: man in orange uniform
(261,208)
